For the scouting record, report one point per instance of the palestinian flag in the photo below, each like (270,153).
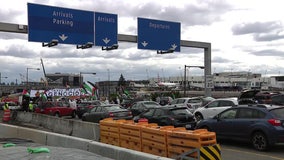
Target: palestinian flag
(43,96)
(25,93)
(90,89)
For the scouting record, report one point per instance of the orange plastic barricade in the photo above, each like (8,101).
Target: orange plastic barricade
(130,134)
(109,131)
(154,140)
(184,141)
(6,115)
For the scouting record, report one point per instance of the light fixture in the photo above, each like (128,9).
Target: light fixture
(85,46)
(53,42)
(114,46)
(171,50)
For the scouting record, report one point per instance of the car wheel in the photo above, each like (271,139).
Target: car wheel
(57,114)
(259,141)
(198,116)
(206,127)
(73,114)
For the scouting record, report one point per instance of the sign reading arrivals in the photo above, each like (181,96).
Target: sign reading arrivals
(158,35)
(67,26)
(105,29)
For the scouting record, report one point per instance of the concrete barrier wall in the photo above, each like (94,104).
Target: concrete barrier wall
(70,127)
(55,139)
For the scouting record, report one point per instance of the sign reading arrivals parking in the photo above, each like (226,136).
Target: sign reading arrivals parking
(67,26)
(158,35)
(105,29)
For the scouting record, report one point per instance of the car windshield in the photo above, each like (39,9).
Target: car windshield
(279,113)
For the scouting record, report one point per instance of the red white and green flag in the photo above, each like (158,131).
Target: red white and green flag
(43,96)
(25,93)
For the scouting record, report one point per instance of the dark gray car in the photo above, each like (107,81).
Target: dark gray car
(114,111)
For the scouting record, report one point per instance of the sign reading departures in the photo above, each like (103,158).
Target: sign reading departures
(69,26)
(158,35)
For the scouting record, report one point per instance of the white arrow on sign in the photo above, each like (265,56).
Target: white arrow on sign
(174,46)
(144,43)
(106,40)
(63,37)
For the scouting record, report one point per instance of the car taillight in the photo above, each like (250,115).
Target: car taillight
(111,114)
(189,106)
(90,107)
(274,122)
(129,113)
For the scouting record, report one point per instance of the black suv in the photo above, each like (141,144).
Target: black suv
(169,116)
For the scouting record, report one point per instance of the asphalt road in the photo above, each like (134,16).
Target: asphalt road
(231,150)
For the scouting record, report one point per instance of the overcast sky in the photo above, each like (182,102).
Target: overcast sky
(246,35)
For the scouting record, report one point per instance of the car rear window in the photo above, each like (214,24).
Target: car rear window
(113,108)
(151,104)
(180,111)
(278,113)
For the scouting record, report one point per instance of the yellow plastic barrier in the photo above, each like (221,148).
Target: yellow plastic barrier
(154,140)
(110,129)
(184,141)
(165,141)
(130,135)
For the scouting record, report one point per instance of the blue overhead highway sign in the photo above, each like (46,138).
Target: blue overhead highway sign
(68,26)
(105,29)
(158,35)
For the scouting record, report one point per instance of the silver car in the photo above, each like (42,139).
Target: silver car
(191,103)
(214,107)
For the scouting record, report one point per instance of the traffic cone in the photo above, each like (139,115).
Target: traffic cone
(7,115)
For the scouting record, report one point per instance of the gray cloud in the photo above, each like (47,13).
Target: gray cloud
(261,31)
(267,37)
(219,60)
(269,52)
(256,27)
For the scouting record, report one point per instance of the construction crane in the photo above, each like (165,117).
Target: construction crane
(45,78)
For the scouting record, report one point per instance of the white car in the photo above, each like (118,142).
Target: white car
(214,107)
(191,103)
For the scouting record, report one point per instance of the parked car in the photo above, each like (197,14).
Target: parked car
(84,106)
(214,107)
(261,125)
(142,106)
(169,116)
(114,111)
(191,103)
(165,100)
(277,99)
(55,109)
(255,96)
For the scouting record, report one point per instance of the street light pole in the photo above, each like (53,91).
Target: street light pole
(185,82)
(1,78)
(80,76)
(28,74)
(108,75)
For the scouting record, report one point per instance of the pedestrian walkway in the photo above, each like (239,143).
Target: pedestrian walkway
(19,151)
